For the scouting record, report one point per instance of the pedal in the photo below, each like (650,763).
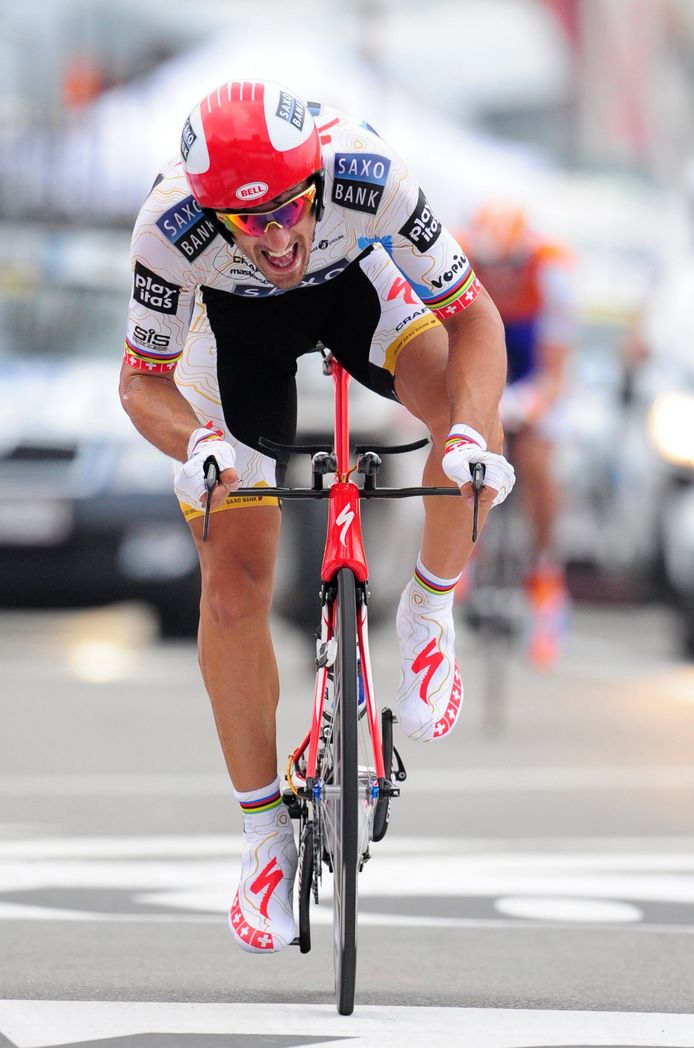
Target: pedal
(400,772)
(293,804)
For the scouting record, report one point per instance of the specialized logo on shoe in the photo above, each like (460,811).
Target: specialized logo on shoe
(268,879)
(257,939)
(429,660)
(443,726)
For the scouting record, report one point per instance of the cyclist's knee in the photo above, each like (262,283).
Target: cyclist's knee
(238,596)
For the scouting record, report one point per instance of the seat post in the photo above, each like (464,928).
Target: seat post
(341,380)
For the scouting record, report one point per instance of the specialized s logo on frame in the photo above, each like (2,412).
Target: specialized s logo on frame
(345,517)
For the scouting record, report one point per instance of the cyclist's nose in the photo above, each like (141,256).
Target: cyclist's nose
(276,237)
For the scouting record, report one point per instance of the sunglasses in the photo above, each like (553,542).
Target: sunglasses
(286,215)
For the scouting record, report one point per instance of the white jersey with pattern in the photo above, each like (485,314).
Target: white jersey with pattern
(370,198)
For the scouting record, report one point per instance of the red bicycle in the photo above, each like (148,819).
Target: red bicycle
(345,772)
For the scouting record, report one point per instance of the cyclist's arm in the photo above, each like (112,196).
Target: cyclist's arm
(161,305)
(158,410)
(476,372)
(557,326)
(442,275)
(552,359)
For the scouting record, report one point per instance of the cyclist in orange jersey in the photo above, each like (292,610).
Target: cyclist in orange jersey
(529,280)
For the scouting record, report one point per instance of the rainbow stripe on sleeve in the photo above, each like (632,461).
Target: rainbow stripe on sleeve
(142,361)
(457,298)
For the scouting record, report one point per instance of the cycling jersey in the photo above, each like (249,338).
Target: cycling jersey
(370,199)
(532,292)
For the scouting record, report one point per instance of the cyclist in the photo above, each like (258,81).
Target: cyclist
(282,224)
(529,280)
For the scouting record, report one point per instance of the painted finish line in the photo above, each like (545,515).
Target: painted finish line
(190,878)
(49,1024)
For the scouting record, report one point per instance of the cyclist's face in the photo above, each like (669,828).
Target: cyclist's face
(280,254)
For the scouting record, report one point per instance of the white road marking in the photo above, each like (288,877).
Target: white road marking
(567,909)
(534,779)
(648,853)
(35,1024)
(195,876)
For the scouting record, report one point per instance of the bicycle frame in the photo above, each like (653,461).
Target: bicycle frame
(344,548)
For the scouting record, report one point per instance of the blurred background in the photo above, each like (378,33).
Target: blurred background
(564,800)
(577,111)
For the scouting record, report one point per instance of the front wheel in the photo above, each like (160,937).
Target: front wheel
(342,813)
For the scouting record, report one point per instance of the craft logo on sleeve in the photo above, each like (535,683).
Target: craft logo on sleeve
(152,291)
(187,227)
(292,110)
(188,136)
(421,228)
(359,180)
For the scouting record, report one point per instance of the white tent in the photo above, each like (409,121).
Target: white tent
(104,163)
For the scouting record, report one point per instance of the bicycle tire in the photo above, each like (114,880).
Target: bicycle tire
(345,776)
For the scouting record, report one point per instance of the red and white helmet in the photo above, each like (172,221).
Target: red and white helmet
(247,143)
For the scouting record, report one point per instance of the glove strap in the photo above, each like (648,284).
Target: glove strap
(460,435)
(205,433)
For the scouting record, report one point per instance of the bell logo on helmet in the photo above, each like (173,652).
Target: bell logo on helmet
(252,190)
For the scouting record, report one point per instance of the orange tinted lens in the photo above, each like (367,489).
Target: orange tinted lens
(286,215)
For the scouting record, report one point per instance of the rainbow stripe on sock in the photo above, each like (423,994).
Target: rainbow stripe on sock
(432,587)
(272,800)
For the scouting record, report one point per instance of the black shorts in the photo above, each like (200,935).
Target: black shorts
(356,315)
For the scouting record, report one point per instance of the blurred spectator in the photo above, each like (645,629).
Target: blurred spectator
(83,81)
(529,279)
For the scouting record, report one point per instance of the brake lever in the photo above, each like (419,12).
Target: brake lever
(477,470)
(211,471)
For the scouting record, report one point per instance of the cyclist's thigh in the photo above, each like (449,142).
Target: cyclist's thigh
(238,369)
(377,315)
(239,555)
(258,342)
(197,379)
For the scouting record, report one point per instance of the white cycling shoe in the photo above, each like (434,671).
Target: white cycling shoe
(430,696)
(261,917)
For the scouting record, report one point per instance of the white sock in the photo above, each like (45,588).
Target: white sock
(433,584)
(261,805)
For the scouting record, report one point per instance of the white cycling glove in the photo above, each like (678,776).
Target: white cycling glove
(464,446)
(189,477)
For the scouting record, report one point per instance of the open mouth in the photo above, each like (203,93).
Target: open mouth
(282,261)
